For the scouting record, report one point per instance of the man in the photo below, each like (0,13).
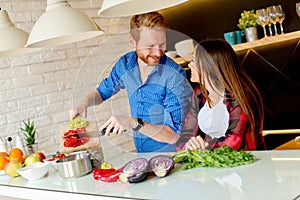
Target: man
(157,89)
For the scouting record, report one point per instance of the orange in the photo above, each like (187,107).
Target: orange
(15,151)
(17,157)
(16,154)
(4,154)
(3,161)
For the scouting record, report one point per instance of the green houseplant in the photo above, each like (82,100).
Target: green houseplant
(248,23)
(248,19)
(29,132)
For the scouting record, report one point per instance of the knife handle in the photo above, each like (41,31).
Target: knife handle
(104,130)
(111,130)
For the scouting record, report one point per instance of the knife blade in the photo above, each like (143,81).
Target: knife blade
(91,134)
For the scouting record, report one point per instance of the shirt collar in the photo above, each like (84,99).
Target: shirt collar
(160,67)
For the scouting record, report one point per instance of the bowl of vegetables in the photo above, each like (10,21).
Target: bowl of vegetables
(52,159)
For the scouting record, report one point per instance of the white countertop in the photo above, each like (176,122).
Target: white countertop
(276,176)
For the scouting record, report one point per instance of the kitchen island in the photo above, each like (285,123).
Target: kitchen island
(275,176)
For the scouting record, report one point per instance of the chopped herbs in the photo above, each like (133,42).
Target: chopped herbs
(223,156)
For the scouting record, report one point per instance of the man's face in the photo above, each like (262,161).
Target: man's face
(151,46)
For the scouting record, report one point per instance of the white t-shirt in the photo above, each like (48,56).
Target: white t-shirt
(214,121)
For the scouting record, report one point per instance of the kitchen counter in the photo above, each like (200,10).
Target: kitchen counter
(276,176)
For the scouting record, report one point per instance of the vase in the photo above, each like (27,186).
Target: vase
(32,148)
(251,34)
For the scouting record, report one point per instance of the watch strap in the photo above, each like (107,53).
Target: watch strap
(140,124)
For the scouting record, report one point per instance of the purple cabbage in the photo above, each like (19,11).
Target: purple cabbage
(161,165)
(135,171)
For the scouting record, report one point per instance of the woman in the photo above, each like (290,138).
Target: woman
(231,108)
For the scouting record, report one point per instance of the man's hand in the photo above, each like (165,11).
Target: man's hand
(93,98)
(79,110)
(117,125)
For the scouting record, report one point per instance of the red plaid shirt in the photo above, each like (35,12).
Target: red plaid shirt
(238,134)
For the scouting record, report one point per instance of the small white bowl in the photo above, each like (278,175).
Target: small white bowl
(35,171)
(52,163)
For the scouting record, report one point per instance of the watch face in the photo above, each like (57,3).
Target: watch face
(140,121)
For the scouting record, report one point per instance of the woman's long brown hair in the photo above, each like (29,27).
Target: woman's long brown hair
(219,64)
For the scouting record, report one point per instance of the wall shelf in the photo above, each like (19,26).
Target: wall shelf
(273,40)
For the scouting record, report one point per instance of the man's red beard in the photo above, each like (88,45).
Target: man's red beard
(154,59)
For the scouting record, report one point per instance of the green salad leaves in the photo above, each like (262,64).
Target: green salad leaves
(223,156)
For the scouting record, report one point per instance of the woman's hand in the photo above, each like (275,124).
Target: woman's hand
(196,143)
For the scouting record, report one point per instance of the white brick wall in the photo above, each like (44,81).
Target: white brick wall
(41,85)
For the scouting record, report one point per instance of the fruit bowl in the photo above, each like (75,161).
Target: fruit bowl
(35,171)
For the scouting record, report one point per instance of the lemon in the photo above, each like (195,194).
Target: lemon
(106,165)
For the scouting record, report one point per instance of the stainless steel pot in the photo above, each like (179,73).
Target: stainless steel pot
(75,165)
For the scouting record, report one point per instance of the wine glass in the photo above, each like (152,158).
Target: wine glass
(273,18)
(298,8)
(280,16)
(269,25)
(262,19)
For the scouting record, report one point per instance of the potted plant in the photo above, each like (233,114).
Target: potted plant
(29,132)
(248,23)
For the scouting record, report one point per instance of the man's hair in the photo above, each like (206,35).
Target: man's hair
(147,20)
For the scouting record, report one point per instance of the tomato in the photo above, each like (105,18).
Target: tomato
(57,157)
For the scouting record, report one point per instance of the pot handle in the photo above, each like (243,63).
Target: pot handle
(96,155)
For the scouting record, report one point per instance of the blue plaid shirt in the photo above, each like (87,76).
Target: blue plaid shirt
(162,99)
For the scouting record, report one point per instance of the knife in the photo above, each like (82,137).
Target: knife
(91,134)
(100,133)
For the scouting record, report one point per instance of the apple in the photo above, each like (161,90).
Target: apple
(31,159)
(11,167)
(40,155)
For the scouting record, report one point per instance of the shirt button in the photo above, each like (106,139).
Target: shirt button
(139,90)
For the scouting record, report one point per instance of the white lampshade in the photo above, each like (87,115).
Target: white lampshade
(12,39)
(122,8)
(61,24)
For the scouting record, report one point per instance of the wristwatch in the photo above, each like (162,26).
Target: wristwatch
(140,124)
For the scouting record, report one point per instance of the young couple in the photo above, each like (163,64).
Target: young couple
(230,107)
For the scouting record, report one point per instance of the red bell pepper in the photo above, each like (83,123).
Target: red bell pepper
(107,175)
(74,138)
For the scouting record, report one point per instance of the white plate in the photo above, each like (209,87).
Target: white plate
(2,172)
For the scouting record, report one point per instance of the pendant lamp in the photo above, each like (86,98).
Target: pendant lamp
(122,8)
(12,39)
(61,24)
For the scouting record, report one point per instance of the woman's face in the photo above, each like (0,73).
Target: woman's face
(195,74)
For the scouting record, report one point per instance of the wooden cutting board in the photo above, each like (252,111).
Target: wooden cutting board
(92,143)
